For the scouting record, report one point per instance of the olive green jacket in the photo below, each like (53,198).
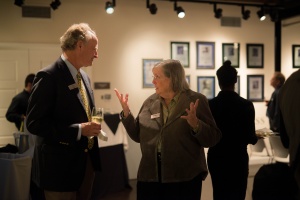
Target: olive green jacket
(182,151)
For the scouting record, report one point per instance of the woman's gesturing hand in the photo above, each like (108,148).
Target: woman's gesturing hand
(124,102)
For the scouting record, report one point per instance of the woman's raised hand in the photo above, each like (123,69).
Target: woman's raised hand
(124,102)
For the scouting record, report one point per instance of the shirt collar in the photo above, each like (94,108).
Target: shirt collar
(71,68)
(175,98)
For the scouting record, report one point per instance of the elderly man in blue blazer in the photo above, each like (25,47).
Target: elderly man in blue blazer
(66,153)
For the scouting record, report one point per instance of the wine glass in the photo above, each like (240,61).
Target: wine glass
(98,117)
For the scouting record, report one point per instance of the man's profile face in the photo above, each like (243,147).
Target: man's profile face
(89,51)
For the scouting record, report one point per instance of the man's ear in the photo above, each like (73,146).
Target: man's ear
(79,44)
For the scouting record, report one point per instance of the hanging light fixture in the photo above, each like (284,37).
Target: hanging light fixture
(179,10)
(261,14)
(152,7)
(109,7)
(245,13)
(55,4)
(218,12)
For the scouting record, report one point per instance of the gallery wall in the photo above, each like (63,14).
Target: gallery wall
(132,34)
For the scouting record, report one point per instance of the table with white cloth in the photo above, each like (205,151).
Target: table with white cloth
(15,172)
(113,176)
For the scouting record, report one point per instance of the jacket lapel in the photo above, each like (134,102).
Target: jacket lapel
(182,104)
(73,86)
(156,109)
(68,78)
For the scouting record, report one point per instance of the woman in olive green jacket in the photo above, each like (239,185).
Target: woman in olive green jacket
(173,127)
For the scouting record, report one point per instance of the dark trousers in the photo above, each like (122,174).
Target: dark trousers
(229,177)
(84,192)
(188,190)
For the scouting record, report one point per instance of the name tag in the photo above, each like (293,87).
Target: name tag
(157,115)
(73,86)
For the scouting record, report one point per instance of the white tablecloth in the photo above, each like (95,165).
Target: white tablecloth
(15,171)
(120,137)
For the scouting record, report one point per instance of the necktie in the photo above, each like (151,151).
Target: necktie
(86,105)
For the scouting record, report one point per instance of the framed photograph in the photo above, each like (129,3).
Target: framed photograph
(205,55)
(206,86)
(181,51)
(231,51)
(255,56)
(148,64)
(188,79)
(255,88)
(296,56)
(237,85)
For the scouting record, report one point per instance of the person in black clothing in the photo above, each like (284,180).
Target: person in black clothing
(276,81)
(16,112)
(228,160)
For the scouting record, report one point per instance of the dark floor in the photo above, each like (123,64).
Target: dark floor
(126,194)
(130,194)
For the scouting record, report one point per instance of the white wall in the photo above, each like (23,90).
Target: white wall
(290,32)
(132,34)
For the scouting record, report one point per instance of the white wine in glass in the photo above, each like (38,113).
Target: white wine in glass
(98,117)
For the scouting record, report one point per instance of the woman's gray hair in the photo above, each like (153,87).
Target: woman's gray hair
(76,32)
(174,70)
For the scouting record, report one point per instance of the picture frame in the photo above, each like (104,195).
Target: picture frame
(205,55)
(296,55)
(206,86)
(255,88)
(148,64)
(255,55)
(237,85)
(181,51)
(101,85)
(231,51)
(188,79)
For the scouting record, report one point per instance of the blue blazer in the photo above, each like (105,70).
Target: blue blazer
(53,115)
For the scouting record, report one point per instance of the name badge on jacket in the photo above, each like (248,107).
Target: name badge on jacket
(154,116)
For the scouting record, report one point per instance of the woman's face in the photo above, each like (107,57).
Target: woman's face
(161,83)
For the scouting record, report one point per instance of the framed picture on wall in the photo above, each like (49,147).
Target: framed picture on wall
(181,51)
(231,51)
(296,56)
(188,79)
(255,88)
(255,56)
(206,86)
(237,85)
(205,55)
(148,64)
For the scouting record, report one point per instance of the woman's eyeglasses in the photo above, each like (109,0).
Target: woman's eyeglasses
(156,77)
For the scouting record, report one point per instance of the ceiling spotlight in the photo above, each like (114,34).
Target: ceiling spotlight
(218,12)
(152,8)
(245,13)
(179,10)
(261,14)
(110,7)
(55,4)
(19,3)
